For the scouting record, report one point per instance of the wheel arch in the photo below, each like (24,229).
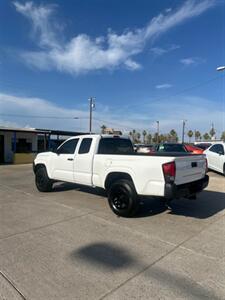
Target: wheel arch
(38,166)
(114,176)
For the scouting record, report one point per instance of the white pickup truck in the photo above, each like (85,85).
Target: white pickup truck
(109,162)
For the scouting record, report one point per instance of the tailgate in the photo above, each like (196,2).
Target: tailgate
(190,168)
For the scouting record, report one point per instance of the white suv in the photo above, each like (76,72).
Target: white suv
(216,157)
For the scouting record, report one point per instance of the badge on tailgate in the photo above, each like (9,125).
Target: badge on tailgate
(194,164)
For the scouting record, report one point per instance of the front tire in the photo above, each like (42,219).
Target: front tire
(122,198)
(43,182)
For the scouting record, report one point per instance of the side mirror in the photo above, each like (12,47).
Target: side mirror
(221,152)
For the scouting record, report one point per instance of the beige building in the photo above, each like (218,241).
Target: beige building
(112,131)
(18,144)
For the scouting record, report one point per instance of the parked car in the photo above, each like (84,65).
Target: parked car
(193,149)
(145,149)
(203,146)
(170,147)
(215,155)
(109,162)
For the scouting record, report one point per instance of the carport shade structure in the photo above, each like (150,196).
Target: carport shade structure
(22,130)
(10,137)
(49,132)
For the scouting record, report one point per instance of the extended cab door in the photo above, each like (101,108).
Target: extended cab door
(83,162)
(63,162)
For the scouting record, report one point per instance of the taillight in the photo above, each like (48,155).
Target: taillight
(169,171)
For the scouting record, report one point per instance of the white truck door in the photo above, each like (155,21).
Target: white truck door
(83,162)
(63,163)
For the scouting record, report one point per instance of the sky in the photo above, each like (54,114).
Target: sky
(143,61)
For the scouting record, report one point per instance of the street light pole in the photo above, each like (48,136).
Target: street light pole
(183,130)
(157,131)
(91,106)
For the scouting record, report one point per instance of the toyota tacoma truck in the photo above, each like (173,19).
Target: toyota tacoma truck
(109,162)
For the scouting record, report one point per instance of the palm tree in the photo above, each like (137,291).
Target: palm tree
(206,136)
(144,133)
(155,138)
(190,135)
(197,135)
(149,138)
(212,132)
(162,138)
(133,135)
(173,135)
(103,128)
(223,136)
(138,135)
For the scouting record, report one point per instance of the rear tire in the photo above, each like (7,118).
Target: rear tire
(123,199)
(43,182)
(224,170)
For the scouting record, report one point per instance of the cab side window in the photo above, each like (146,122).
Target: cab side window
(68,147)
(85,145)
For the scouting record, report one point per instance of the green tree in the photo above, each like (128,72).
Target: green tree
(206,136)
(144,133)
(190,135)
(155,138)
(212,132)
(223,136)
(197,135)
(133,135)
(149,138)
(162,138)
(103,128)
(173,136)
(138,137)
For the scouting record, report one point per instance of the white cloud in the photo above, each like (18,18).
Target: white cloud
(41,18)
(158,51)
(191,61)
(83,53)
(164,86)
(40,113)
(200,118)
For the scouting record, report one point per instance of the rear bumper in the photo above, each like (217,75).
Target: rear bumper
(185,190)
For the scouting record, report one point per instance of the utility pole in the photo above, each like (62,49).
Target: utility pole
(91,106)
(183,130)
(157,131)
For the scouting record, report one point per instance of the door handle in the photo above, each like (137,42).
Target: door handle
(70,159)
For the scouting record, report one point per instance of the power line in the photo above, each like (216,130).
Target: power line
(113,123)
(176,94)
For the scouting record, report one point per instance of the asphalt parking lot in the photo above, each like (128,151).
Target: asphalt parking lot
(67,244)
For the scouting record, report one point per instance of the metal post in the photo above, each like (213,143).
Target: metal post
(49,141)
(91,106)
(45,142)
(157,131)
(183,130)
(14,142)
